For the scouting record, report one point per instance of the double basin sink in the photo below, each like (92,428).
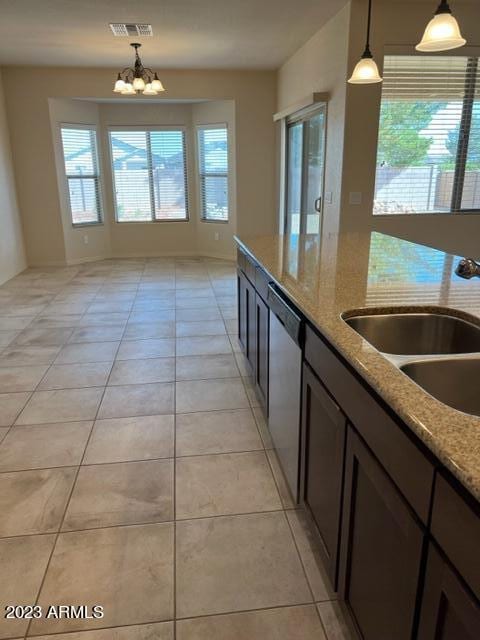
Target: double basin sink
(438,351)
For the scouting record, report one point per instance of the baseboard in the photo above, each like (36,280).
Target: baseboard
(72,263)
(128,256)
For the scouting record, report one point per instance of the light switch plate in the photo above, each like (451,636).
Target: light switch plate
(329,197)
(355,197)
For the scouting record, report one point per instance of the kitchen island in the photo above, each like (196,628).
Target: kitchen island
(390,475)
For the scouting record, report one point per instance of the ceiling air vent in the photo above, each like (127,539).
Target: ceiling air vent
(131,29)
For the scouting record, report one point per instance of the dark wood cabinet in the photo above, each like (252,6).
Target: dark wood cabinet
(262,321)
(449,610)
(246,318)
(323,432)
(381,549)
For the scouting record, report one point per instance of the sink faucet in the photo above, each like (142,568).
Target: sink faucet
(467,268)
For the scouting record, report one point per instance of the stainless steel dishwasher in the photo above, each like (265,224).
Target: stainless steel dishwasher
(284,387)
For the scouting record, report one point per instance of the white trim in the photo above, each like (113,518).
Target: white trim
(200,127)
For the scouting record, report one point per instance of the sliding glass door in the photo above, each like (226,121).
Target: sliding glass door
(305,140)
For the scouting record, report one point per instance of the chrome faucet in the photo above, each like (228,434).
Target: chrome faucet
(467,268)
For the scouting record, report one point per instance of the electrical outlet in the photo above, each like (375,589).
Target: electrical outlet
(85,239)
(329,197)
(216,235)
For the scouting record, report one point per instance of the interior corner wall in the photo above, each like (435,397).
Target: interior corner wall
(216,238)
(321,66)
(28,90)
(12,251)
(396,27)
(82,244)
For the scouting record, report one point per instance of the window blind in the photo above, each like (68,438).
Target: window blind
(428,158)
(213,172)
(82,174)
(150,175)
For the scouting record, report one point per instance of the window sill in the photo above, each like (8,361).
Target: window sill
(82,225)
(214,221)
(175,221)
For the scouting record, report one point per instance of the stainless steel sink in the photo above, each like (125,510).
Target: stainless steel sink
(453,381)
(417,333)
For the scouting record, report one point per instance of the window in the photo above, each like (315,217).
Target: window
(428,158)
(213,172)
(149,174)
(82,173)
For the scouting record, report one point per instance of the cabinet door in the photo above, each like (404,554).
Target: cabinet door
(262,325)
(323,432)
(449,610)
(242,309)
(251,345)
(381,548)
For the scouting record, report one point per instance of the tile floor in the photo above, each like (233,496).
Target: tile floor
(136,470)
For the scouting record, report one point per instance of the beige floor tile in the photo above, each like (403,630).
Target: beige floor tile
(14,324)
(193,302)
(236,563)
(289,623)
(48,337)
(26,557)
(145,330)
(87,352)
(336,621)
(199,292)
(231,327)
(203,346)
(210,395)
(143,371)
(98,334)
(308,547)
(137,400)
(66,405)
(42,446)
(123,439)
(121,493)
(3,432)
(129,570)
(21,378)
(102,319)
(165,315)
(224,484)
(206,367)
(76,376)
(155,631)
(33,355)
(33,501)
(285,495)
(110,307)
(262,427)
(55,320)
(151,304)
(205,313)
(7,337)
(201,328)
(216,432)
(11,405)
(149,348)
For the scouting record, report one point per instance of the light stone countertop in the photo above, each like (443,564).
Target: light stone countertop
(335,274)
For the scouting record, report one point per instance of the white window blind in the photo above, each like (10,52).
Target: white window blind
(82,174)
(149,174)
(428,158)
(213,172)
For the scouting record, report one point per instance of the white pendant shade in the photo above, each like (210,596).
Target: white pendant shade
(442,33)
(119,86)
(129,90)
(138,84)
(149,90)
(365,72)
(157,85)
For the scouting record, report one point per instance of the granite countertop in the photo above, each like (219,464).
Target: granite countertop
(333,275)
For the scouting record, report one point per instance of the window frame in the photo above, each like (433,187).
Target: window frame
(201,176)
(98,178)
(460,162)
(147,128)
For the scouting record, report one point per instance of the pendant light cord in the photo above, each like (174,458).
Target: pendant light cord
(367,53)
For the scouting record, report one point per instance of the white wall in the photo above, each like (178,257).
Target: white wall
(64,111)
(12,252)
(28,90)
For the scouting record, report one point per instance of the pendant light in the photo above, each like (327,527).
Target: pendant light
(442,32)
(138,79)
(366,70)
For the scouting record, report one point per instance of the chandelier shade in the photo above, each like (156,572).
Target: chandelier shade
(442,33)
(137,79)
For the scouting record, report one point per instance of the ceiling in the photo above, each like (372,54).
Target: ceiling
(186,33)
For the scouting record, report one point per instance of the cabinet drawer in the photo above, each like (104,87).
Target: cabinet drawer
(401,457)
(456,528)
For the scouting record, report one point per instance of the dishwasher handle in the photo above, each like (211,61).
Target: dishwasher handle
(289,318)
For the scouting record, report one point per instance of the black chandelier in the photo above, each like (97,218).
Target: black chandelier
(139,79)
